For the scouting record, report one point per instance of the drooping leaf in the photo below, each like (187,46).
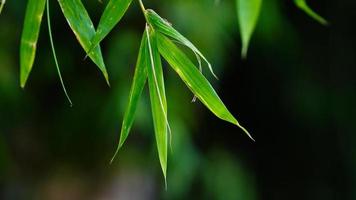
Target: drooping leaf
(196,82)
(54,53)
(83,28)
(137,86)
(302,4)
(163,26)
(158,98)
(30,33)
(2,3)
(113,13)
(248,12)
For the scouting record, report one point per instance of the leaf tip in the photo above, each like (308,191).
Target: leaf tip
(245,131)
(106,75)
(302,4)
(324,22)
(116,152)
(212,71)
(23,81)
(165,183)
(165,178)
(244,51)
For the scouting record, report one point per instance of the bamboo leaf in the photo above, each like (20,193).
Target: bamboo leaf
(163,26)
(2,3)
(30,33)
(302,4)
(82,26)
(248,12)
(138,84)
(158,98)
(113,13)
(196,82)
(54,53)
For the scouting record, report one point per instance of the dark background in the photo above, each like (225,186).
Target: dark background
(295,92)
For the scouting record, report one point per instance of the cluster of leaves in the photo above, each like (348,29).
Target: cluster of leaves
(248,13)
(158,41)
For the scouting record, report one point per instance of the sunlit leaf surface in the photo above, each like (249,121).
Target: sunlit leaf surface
(137,86)
(82,26)
(111,16)
(163,26)
(193,78)
(158,98)
(30,33)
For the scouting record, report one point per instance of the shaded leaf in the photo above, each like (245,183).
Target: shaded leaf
(164,27)
(158,98)
(248,12)
(137,86)
(302,4)
(30,33)
(111,16)
(82,26)
(196,82)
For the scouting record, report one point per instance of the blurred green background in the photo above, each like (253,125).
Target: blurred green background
(296,94)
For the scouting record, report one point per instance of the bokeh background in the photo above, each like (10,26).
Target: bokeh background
(295,92)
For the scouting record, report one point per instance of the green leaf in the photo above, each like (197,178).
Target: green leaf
(113,13)
(193,78)
(161,25)
(2,3)
(138,84)
(54,53)
(83,28)
(248,12)
(158,98)
(30,33)
(302,4)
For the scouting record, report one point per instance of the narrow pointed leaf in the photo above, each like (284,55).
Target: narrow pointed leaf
(54,53)
(161,25)
(113,13)
(2,3)
(248,12)
(302,4)
(196,82)
(158,99)
(30,33)
(82,26)
(138,84)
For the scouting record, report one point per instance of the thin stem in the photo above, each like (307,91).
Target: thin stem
(54,54)
(142,6)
